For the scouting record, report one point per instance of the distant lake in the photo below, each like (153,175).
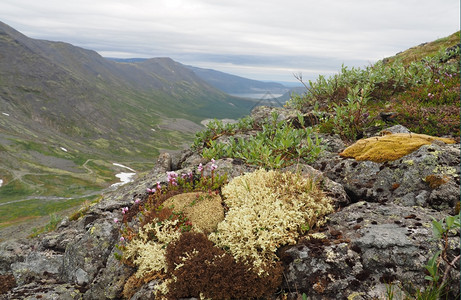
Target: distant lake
(258,95)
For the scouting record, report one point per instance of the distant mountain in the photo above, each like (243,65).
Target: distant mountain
(56,96)
(233,84)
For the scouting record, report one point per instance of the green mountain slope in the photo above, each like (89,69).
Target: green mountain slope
(67,114)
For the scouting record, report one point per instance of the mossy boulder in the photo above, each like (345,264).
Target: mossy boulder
(204,210)
(389,147)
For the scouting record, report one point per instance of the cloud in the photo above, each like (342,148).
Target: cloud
(264,39)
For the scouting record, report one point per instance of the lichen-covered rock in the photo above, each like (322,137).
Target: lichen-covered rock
(110,280)
(44,265)
(261,113)
(86,255)
(428,177)
(389,147)
(44,290)
(366,247)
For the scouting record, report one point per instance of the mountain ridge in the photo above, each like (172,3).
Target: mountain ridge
(54,95)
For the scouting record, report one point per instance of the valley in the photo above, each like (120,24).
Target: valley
(69,116)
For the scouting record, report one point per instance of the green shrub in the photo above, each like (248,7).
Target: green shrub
(275,145)
(424,93)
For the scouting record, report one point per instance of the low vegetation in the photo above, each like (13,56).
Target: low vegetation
(419,89)
(188,250)
(422,95)
(273,144)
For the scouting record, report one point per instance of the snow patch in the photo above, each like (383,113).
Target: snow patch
(124,178)
(122,166)
(3,113)
(63,149)
(1,182)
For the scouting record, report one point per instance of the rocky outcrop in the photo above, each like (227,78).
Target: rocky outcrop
(367,246)
(427,177)
(379,236)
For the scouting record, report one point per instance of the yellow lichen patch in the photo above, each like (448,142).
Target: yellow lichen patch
(205,211)
(148,249)
(389,147)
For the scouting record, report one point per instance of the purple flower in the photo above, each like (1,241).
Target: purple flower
(124,210)
(137,200)
(150,191)
(122,239)
(430,95)
(159,187)
(200,168)
(115,220)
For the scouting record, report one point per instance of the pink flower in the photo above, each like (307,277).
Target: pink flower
(213,165)
(115,220)
(172,176)
(150,191)
(124,210)
(122,239)
(159,187)
(200,167)
(137,200)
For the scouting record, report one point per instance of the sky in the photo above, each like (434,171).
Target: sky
(258,39)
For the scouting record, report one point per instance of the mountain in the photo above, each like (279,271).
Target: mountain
(233,84)
(67,114)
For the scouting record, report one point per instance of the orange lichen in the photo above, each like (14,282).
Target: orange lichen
(389,147)
(436,180)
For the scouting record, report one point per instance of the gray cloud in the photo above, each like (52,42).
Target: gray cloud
(267,40)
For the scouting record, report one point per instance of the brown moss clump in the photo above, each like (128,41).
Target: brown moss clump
(7,282)
(204,210)
(389,147)
(202,270)
(436,180)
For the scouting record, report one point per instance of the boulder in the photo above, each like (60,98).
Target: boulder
(366,247)
(427,177)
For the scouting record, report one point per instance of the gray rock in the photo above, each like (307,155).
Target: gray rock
(85,256)
(110,280)
(367,246)
(411,180)
(396,129)
(261,113)
(43,290)
(43,265)
(12,251)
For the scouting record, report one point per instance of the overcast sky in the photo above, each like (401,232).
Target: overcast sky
(258,39)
